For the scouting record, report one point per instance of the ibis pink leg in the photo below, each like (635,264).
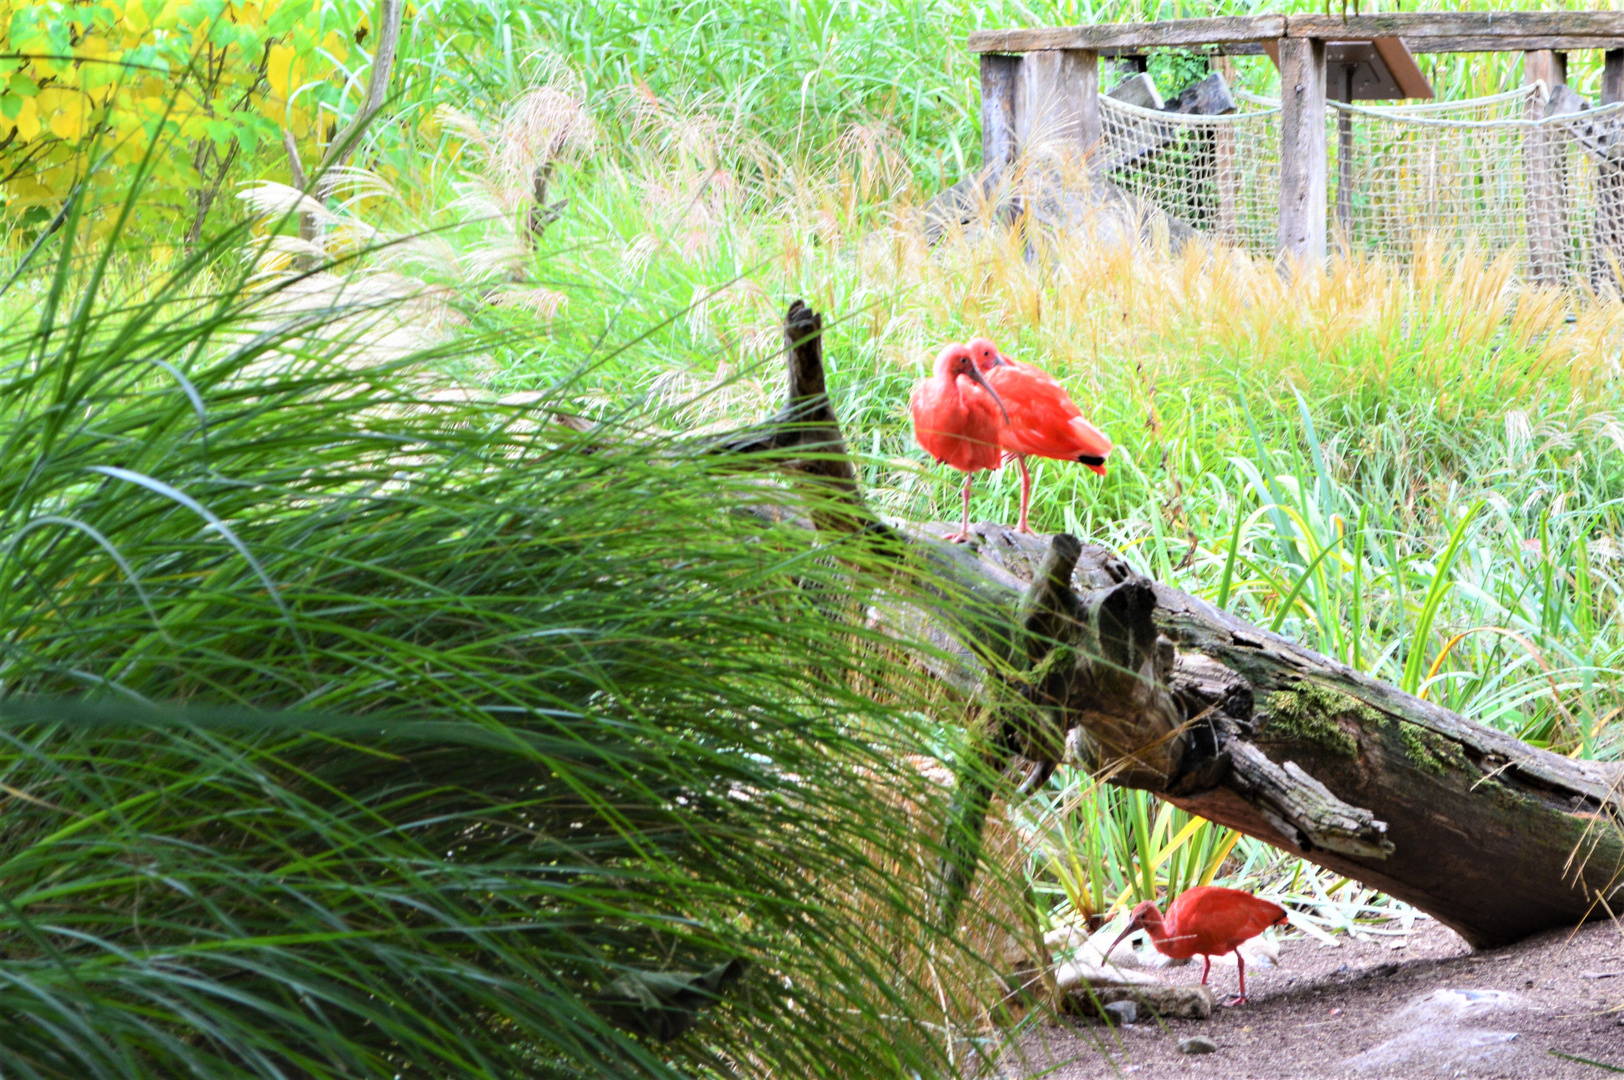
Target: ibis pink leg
(1026,493)
(1240,967)
(1206,966)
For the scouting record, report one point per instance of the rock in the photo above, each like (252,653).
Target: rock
(1454,1006)
(1209,97)
(1080,973)
(1167,1002)
(1197,1044)
(1122,1012)
(1137,90)
(1065,939)
(1438,1036)
(1437,1050)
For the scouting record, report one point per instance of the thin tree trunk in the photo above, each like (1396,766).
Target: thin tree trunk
(1158,690)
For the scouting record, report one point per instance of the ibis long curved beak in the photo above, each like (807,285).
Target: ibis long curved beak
(975,373)
(1132,929)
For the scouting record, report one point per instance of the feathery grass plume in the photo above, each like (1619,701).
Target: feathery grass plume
(599,723)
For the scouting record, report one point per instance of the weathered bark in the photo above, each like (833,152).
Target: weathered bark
(1158,690)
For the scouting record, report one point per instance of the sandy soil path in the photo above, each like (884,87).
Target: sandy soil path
(1431,1009)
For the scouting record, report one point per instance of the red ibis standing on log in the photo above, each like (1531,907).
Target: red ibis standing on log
(1043,420)
(1206,921)
(957,419)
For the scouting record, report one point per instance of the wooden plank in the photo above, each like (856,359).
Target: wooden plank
(1423,31)
(1395,72)
(1057,102)
(1513,43)
(1413,26)
(1344,157)
(1175,32)
(1138,90)
(1612,77)
(1218,48)
(1302,153)
(999,75)
(1402,67)
(1544,186)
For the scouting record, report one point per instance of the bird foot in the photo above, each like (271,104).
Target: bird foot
(1024,528)
(1238,999)
(956,538)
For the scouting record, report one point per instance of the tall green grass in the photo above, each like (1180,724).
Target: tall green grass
(596,718)
(354,729)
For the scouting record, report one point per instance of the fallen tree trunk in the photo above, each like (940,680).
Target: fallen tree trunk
(1158,690)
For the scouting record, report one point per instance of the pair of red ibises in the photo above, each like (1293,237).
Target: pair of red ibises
(979,405)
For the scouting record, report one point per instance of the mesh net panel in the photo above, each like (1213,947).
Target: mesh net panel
(1485,171)
(1220,174)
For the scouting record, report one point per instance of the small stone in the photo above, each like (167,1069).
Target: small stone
(1197,1044)
(1122,1012)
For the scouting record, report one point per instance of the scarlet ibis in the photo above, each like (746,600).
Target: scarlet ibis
(1043,420)
(957,418)
(1207,921)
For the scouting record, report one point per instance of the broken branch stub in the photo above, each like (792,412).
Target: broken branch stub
(1153,688)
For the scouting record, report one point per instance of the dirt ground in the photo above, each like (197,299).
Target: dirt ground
(1431,1009)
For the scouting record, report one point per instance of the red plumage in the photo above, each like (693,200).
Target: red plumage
(1206,921)
(958,420)
(1043,420)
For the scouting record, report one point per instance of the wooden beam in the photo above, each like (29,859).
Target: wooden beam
(1512,43)
(1402,67)
(1547,66)
(1413,26)
(998,141)
(1344,156)
(1612,77)
(1422,31)
(1544,186)
(1607,252)
(1175,32)
(1302,152)
(1057,101)
(1389,60)
(1225,174)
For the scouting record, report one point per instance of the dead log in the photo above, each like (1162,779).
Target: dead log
(1062,644)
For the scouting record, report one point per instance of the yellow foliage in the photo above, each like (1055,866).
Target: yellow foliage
(279,71)
(136,20)
(28,121)
(240,73)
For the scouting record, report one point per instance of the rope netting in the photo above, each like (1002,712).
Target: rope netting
(1220,174)
(1486,171)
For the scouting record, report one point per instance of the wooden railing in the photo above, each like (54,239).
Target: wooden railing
(1047,78)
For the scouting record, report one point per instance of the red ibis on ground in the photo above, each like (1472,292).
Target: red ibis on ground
(1206,921)
(1043,420)
(957,418)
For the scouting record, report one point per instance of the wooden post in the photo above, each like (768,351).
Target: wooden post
(1223,164)
(1544,192)
(1057,101)
(1612,77)
(1302,152)
(1344,159)
(999,75)
(1607,252)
